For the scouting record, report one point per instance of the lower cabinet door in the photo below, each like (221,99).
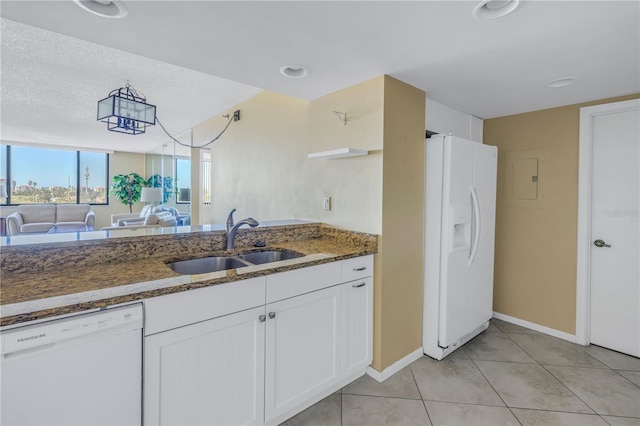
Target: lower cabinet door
(357,326)
(302,349)
(208,373)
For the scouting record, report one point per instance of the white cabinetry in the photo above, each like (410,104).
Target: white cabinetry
(303,349)
(204,361)
(209,373)
(257,350)
(357,315)
(357,326)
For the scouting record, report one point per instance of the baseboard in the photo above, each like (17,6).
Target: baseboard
(536,327)
(395,367)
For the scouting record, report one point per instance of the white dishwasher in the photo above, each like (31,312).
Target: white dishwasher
(80,370)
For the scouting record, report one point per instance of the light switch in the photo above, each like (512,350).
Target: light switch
(326,203)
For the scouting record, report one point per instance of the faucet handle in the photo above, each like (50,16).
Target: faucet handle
(230,221)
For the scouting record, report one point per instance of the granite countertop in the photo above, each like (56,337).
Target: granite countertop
(41,292)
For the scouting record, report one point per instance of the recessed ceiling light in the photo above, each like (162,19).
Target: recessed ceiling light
(561,82)
(294,71)
(104,8)
(492,9)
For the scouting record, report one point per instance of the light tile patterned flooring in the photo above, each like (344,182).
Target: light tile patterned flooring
(508,375)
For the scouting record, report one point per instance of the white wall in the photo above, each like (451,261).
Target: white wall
(261,168)
(442,119)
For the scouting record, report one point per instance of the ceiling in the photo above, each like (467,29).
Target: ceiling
(196,59)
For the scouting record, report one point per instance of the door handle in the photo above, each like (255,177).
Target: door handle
(262,318)
(272,315)
(601,243)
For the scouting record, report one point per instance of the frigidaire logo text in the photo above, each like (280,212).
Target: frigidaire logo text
(34,337)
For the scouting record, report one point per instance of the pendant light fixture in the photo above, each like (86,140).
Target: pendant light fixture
(126,111)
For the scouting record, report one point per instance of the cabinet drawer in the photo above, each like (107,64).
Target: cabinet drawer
(300,281)
(179,309)
(356,268)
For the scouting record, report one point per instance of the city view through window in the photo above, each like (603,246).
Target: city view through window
(40,175)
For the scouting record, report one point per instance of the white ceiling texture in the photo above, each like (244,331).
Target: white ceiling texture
(196,59)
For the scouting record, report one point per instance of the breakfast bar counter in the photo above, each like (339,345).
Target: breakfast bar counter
(69,275)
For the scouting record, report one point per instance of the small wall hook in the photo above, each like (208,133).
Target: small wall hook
(342,117)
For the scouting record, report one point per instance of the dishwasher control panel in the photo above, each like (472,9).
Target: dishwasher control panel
(50,332)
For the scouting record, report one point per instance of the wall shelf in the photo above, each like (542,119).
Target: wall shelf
(339,153)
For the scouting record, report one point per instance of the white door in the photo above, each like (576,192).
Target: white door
(357,326)
(615,230)
(302,349)
(208,373)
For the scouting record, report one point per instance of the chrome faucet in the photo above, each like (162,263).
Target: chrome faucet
(233,228)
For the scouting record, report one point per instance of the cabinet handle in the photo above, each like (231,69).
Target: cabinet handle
(362,268)
(358,285)
(272,315)
(262,318)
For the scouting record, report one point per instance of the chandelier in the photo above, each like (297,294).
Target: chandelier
(126,111)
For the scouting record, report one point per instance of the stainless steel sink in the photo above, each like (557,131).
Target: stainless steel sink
(221,263)
(258,258)
(206,264)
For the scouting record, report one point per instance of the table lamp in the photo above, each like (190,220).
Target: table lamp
(151,195)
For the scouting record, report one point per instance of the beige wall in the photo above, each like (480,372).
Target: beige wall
(119,163)
(535,262)
(260,167)
(399,278)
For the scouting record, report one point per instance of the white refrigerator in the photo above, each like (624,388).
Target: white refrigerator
(460,208)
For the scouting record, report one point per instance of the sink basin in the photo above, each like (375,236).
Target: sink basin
(222,263)
(258,258)
(205,265)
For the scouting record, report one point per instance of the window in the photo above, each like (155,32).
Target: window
(42,175)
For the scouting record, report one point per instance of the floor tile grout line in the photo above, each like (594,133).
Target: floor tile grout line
(580,347)
(341,406)
(522,349)
(384,396)
(556,378)
(496,391)
(619,417)
(488,381)
(625,377)
(424,404)
(569,389)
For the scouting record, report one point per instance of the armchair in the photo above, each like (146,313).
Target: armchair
(119,218)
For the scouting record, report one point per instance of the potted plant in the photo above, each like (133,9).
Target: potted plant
(127,188)
(166,183)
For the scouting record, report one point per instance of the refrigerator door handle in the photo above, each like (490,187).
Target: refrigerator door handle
(477,219)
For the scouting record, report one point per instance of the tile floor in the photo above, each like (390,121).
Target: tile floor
(509,375)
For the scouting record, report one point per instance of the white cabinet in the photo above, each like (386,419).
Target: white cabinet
(258,350)
(357,326)
(209,373)
(357,315)
(303,351)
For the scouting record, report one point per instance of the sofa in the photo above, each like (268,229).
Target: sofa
(149,217)
(40,218)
